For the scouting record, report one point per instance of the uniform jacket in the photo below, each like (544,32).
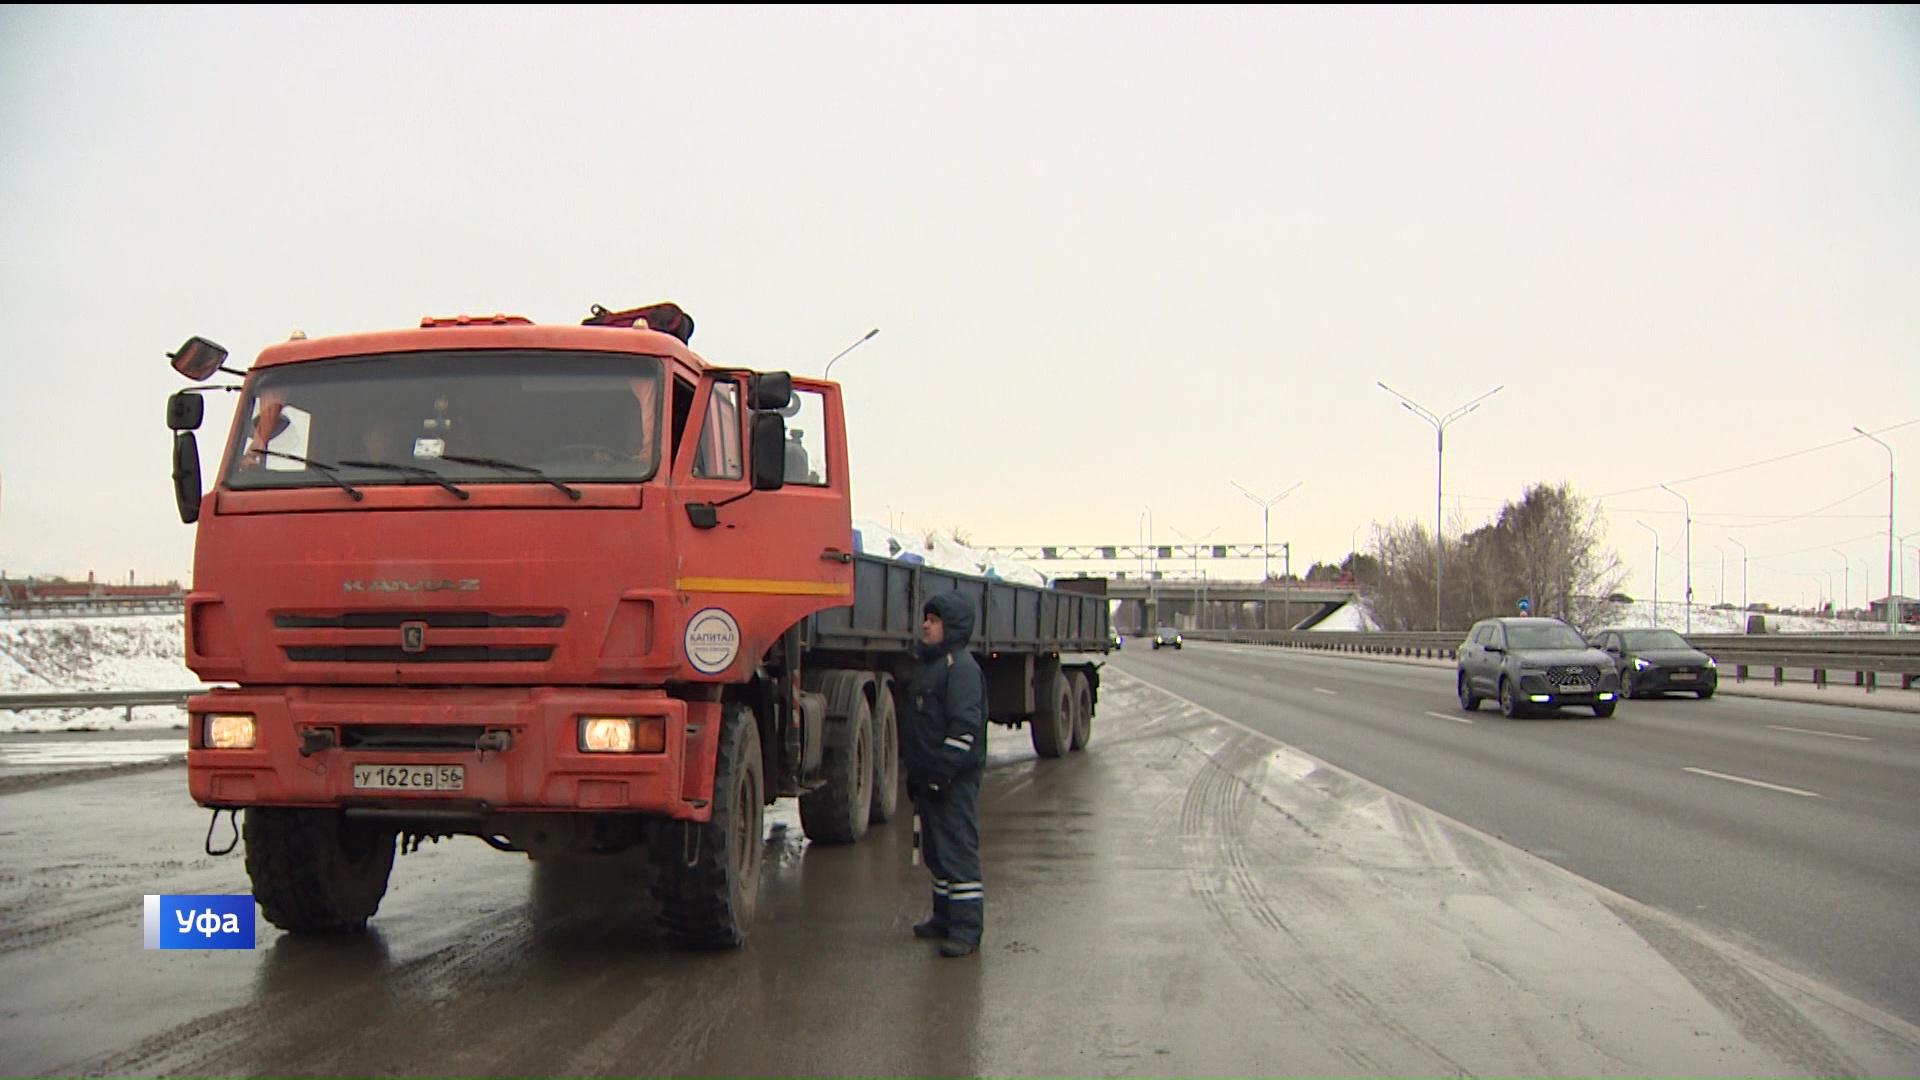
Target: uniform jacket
(946,732)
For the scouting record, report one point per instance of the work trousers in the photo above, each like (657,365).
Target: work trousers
(950,844)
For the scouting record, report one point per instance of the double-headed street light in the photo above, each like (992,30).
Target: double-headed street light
(1743,571)
(1893,614)
(1688,510)
(1266,513)
(1656,569)
(1439,470)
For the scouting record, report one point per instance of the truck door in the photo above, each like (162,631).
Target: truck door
(772,557)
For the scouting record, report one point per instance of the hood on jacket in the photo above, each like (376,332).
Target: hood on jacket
(956,614)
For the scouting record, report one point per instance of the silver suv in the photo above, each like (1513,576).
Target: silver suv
(1528,664)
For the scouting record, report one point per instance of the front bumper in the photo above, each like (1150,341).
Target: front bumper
(1542,692)
(1659,680)
(541,768)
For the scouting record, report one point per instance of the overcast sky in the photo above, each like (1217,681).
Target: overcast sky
(1119,259)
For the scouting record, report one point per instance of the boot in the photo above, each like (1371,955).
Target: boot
(950,947)
(929,929)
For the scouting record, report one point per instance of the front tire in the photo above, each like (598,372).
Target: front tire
(315,872)
(838,812)
(1469,701)
(1628,689)
(1604,709)
(708,879)
(1707,693)
(1510,705)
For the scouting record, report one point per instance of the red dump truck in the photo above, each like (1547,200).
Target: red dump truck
(566,589)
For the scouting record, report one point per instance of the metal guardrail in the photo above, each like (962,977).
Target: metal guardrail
(1867,656)
(92,605)
(96,699)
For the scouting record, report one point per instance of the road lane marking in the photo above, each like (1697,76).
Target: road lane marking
(1324,690)
(1455,719)
(1754,783)
(1828,734)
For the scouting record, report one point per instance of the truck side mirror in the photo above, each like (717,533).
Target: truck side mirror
(198,359)
(769,390)
(186,476)
(185,410)
(769,451)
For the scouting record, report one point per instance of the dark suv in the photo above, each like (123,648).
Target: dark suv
(1526,664)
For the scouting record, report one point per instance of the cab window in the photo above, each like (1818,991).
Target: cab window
(717,456)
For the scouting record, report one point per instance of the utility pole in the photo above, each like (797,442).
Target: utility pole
(1439,470)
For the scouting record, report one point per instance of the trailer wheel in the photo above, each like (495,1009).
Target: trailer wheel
(708,875)
(886,755)
(1082,711)
(838,812)
(1053,724)
(315,872)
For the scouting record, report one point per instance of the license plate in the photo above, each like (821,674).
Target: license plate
(1683,676)
(409,777)
(1575,687)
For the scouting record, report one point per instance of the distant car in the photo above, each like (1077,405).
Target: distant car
(1655,660)
(1114,640)
(1527,664)
(1168,636)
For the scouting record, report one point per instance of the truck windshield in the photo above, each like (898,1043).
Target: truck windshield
(507,416)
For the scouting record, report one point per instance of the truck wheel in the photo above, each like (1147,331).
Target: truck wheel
(1053,724)
(1082,711)
(708,879)
(886,755)
(313,871)
(837,813)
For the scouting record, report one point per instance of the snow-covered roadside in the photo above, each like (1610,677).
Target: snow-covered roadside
(129,652)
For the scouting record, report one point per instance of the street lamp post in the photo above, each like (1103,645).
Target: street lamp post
(1688,509)
(1198,611)
(1656,569)
(1743,571)
(828,374)
(1846,581)
(1893,614)
(1266,508)
(1439,471)
(1722,599)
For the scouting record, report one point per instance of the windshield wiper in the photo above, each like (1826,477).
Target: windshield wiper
(331,472)
(412,471)
(508,466)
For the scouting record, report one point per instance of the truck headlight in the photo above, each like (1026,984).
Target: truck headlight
(623,734)
(228,731)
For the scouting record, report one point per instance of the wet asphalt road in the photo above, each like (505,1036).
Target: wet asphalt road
(1186,898)
(1819,868)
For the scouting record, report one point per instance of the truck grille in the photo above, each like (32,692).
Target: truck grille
(1561,675)
(437,637)
(391,620)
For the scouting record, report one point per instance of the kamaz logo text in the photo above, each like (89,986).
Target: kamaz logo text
(444,585)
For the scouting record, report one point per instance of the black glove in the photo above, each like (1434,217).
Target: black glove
(915,789)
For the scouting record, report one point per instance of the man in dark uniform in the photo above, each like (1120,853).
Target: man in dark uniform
(946,744)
